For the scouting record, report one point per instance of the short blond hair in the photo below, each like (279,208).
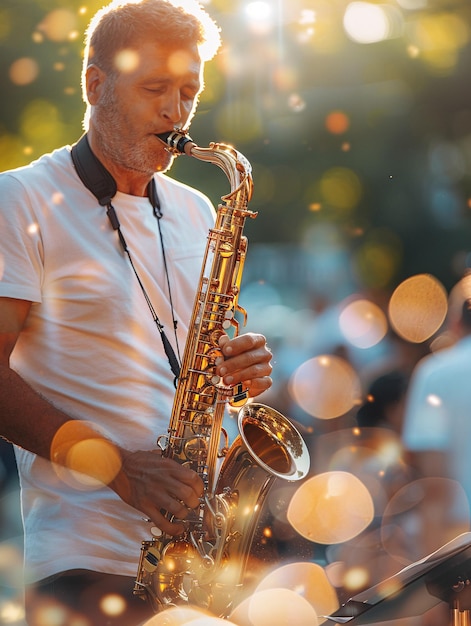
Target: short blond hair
(123,23)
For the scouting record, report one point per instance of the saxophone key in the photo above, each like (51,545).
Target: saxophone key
(151,559)
(228,319)
(239,397)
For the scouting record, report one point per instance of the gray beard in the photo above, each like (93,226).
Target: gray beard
(109,124)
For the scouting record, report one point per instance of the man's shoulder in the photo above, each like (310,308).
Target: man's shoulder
(48,165)
(444,363)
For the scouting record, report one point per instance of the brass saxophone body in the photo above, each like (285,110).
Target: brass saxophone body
(206,565)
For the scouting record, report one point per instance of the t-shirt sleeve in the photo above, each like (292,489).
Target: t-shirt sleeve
(425,419)
(21,258)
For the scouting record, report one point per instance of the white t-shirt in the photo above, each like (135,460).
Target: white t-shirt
(90,344)
(438,412)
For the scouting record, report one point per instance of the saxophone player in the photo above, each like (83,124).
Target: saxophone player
(95,299)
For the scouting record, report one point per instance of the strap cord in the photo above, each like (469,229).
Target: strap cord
(99,181)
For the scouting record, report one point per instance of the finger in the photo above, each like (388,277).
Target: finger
(258,386)
(240,344)
(188,486)
(170,525)
(188,494)
(175,508)
(168,515)
(179,480)
(244,368)
(244,358)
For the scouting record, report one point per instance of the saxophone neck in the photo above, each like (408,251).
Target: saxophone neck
(233,163)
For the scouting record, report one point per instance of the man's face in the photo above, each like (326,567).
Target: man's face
(156,90)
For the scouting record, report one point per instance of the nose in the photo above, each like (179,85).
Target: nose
(171,109)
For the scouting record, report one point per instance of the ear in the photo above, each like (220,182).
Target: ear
(94,79)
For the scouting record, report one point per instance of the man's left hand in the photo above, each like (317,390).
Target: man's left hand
(247,360)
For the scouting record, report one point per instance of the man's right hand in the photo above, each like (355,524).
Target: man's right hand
(154,484)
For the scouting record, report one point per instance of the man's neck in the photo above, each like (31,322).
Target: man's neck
(127,181)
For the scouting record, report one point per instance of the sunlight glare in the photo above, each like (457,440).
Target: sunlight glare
(259,17)
(365,22)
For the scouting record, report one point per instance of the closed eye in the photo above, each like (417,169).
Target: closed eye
(156,90)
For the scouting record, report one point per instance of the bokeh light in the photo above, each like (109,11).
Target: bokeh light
(113,605)
(50,613)
(341,187)
(460,292)
(59,25)
(418,307)
(356,578)
(208,621)
(308,580)
(274,607)
(363,323)
(259,17)
(86,459)
(337,122)
(325,386)
(40,120)
(439,36)
(24,71)
(331,508)
(179,616)
(368,23)
(378,258)
(126,61)
(11,612)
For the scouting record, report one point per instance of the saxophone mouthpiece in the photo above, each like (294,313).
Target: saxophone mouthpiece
(177,141)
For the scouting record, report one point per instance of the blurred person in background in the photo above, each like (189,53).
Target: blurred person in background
(437,430)
(384,407)
(79,346)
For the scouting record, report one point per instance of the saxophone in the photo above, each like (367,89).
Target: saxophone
(206,565)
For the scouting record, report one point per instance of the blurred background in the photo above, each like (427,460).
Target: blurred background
(356,118)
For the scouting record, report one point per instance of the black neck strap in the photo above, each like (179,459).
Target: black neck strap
(101,183)
(93,173)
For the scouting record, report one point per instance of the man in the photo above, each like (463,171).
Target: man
(84,379)
(437,429)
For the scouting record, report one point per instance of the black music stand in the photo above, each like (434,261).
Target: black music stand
(443,576)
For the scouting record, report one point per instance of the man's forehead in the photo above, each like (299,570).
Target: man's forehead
(176,59)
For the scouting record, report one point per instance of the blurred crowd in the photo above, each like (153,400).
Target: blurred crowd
(405,438)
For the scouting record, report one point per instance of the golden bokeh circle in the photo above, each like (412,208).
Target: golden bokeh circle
(325,387)
(363,323)
(331,508)
(308,580)
(418,307)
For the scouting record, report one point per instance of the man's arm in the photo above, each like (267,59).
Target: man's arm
(142,479)
(26,419)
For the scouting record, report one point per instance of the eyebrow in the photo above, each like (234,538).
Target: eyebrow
(192,84)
